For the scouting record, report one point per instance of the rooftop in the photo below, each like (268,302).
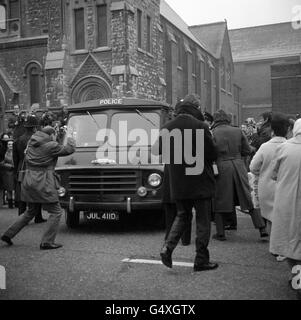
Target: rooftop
(169,14)
(212,34)
(265,42)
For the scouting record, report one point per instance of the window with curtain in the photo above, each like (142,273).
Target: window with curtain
(79,28)
(102,32)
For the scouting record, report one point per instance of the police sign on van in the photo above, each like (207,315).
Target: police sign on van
(110,101)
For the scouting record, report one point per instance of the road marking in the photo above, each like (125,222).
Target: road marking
(146,261)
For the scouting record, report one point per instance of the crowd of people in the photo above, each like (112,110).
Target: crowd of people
(21,126)
(256,168)
(36,146)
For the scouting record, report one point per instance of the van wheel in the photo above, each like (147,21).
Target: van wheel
(72,219)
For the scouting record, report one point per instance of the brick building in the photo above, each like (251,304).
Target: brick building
(260,54)
(58,52)
(286,88)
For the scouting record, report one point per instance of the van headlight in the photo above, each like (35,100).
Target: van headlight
(154,180)
(61,192)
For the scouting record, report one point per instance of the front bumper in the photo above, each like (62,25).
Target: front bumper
(126,206)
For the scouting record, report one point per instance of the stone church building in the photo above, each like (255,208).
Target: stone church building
(55,53)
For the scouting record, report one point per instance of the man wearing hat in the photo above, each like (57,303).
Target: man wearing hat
(31,124)
(40,185)
(190,191)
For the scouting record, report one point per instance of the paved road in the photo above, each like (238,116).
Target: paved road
(90,266)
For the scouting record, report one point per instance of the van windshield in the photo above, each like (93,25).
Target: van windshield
(84,127)
(131,128)
(128,127)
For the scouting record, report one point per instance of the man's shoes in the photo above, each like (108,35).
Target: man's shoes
(205,266)
(263,233)
(219,237)
(40,220)
(50,246)
(7,240)
(166,257)
(230,227)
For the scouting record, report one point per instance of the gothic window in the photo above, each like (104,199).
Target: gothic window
(79,28)
(139,28)
(34,79)
(33,74)
(91,88)
(102,32)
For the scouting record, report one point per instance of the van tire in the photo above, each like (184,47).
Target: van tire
(72,219)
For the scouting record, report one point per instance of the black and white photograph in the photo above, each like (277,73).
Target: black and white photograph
(150,153)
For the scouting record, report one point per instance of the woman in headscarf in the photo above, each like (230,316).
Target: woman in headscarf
(232,182)
(286,227)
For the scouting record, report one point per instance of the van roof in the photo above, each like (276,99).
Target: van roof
(116,103)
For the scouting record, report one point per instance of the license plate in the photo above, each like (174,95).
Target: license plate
(104,216)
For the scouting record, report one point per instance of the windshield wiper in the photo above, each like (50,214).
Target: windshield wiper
(98,126)
(145,117)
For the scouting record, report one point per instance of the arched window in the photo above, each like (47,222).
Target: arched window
(91,88)
(33,73)
(34,84)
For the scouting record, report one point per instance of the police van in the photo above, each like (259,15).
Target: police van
(113,173)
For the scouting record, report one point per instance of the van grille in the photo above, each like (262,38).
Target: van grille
(101,183)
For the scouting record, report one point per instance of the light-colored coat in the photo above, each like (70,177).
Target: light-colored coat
(286,227)
(262,165)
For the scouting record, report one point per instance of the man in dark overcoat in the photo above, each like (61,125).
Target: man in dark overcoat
(40,185)
(30,125)
(232,185)
(187,189)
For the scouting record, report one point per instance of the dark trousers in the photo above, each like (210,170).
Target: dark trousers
(221,218)
(203,226)
(170,215)
(22,208)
